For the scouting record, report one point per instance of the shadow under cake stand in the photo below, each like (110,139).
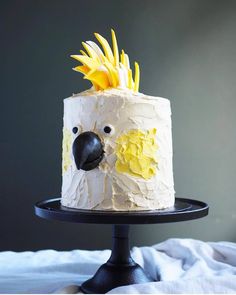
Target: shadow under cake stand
(120,269)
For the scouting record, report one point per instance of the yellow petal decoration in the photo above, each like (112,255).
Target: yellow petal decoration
(99,78)
(136,77)
(106,68)
(115,48)
(136,153)
(106,47)
(82,69)
(66,149)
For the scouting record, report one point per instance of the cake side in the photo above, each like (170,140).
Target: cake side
(135,172)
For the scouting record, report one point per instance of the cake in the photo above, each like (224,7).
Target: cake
(117,142)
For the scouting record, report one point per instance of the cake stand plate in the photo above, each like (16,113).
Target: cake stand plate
(120,269)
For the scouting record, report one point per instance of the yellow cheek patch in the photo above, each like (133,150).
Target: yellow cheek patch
(136,153)
(66,149)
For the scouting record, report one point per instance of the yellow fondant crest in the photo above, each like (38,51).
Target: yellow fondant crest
(136,153)
(104,68)
(66,149)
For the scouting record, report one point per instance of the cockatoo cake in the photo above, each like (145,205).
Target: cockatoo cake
(117,142)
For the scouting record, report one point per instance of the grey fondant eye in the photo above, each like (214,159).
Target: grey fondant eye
(75,130)
(108,129)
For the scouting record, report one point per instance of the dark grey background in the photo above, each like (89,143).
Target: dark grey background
(187,53)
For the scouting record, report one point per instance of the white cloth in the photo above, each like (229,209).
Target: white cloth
(184,265)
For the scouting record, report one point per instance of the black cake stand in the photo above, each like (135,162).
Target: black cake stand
(120,269)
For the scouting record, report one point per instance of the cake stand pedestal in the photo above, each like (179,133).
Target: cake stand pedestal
(120,269)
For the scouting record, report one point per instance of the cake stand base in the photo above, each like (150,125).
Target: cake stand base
(120,269)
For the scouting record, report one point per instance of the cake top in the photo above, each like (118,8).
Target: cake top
(120,93)
(105,67)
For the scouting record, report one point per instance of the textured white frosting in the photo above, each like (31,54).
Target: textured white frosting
(103,188)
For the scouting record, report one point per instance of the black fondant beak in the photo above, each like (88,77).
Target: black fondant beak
(87,150)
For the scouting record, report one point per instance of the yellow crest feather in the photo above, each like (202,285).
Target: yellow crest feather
(103,68)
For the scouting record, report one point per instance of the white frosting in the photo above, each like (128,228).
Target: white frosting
(103,188)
